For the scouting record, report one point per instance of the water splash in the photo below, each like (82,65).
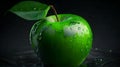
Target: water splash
(103,58)
(97,58)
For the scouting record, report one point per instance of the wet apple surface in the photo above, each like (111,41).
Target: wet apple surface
(63,43)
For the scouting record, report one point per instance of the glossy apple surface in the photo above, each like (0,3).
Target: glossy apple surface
(66,43)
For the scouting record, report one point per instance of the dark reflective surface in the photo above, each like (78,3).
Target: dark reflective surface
(97,58)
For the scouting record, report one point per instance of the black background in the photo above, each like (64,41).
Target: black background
(103,17)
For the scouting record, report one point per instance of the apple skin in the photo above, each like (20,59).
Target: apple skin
(66,43)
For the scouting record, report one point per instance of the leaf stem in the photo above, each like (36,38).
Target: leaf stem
(55,12)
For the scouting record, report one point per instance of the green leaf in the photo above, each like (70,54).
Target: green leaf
(30,10)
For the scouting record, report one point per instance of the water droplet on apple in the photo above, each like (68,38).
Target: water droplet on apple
(86,47)
(89,40)
(71,40)
(81,49)
(51,30)
(39,38)
(79,28)
(40,34)
(69,31)
(83,30)
(74,22)
(34,8)
(70,28)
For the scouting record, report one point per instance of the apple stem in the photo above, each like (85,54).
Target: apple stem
(54,10)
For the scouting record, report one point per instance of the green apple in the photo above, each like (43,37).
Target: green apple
(60,40)
(63,43)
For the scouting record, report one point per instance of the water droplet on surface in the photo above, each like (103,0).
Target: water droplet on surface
(20,57)
(98,61)
(36,49)
(96,48)
(101,59)
(110,51)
